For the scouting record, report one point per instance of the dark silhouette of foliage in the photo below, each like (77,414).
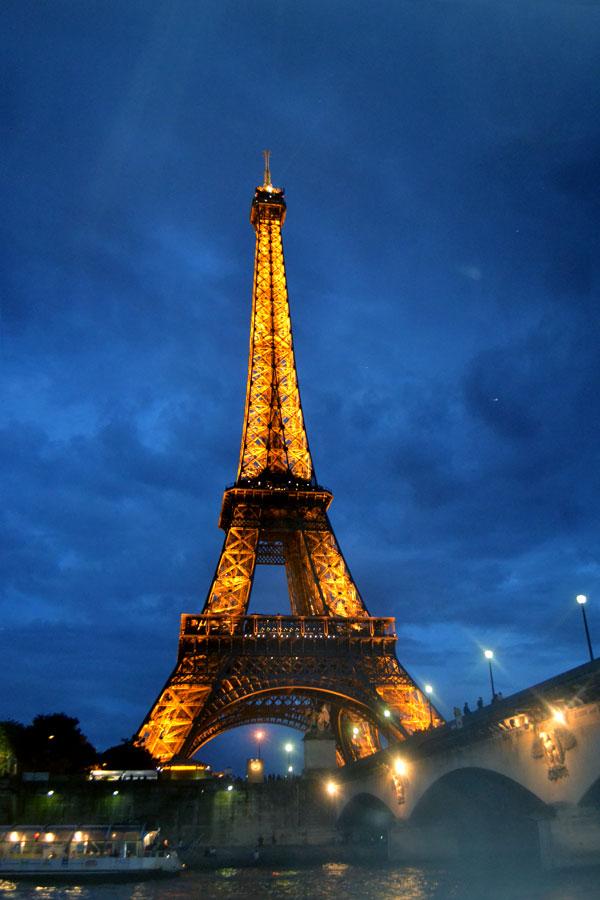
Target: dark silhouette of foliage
(55,744)
(127,756)
(10,739)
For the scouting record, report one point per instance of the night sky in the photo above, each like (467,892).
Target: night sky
(441,161)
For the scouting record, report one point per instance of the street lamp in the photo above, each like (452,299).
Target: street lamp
(400,767)
(582,600)
(259,736)
(489,656)
(288,749)
(428,691)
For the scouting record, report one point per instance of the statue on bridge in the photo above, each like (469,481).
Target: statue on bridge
(320,719)
(553,745)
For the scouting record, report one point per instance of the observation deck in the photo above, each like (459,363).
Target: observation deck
(266,635)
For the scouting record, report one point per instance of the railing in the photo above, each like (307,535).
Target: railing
(286,626)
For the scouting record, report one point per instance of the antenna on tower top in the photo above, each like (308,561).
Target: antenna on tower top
(267,172)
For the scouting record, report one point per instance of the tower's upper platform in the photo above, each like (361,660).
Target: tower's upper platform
(268,202)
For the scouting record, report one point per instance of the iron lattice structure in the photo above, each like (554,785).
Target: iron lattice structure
(234,669)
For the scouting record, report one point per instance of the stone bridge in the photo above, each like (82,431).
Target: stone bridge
(517,779)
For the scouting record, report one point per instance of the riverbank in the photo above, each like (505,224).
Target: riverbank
(228,817)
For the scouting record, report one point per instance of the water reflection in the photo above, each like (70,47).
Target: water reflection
(332,881)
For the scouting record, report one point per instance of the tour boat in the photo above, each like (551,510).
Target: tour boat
(74,851)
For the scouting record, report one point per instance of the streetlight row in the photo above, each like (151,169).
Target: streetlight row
(489,655)
(289,748)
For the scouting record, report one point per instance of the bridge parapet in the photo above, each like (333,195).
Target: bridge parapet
(545,738)
(549,706)
(540,744)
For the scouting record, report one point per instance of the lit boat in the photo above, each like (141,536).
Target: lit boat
(74,851)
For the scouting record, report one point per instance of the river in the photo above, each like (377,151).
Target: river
(331,881)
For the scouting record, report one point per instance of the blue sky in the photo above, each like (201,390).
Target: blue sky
(441,167)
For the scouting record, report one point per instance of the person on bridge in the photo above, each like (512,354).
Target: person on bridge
(466,710)
(479,703)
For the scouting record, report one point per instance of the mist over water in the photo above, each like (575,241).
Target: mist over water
(332,881)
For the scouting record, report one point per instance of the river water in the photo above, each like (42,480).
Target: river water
(332,881)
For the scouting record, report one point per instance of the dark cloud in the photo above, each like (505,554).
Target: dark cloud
(579,178)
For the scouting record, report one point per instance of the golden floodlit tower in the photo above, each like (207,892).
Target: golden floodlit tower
(329,653)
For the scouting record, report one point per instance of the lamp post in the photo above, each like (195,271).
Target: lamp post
(582,600)
(489,656)
(288,749)
(428,690)
(259,736)
(332,789)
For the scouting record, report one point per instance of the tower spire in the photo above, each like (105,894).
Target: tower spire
(274,441)
(267,184)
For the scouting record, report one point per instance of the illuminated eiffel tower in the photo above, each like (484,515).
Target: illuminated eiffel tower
(232,668)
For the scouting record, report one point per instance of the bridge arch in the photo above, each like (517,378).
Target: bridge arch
(365,821)
(490,815)
(293,706)
(592,795)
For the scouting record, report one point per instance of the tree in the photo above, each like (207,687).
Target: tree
(55,744)
(127,755)
(10,738)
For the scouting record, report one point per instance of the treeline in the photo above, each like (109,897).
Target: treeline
(55,744)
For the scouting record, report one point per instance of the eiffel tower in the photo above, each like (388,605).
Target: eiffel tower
(233,668)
